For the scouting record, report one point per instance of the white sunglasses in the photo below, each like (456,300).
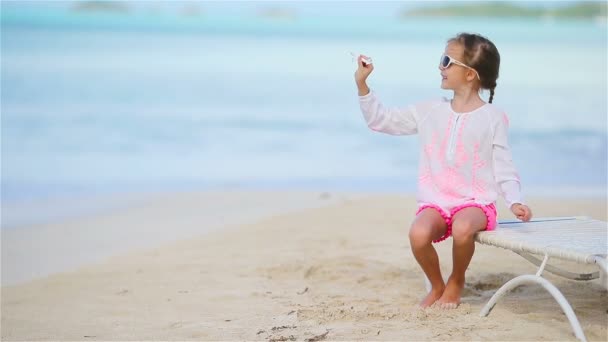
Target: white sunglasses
(445,61)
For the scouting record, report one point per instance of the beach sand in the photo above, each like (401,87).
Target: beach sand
(337,271)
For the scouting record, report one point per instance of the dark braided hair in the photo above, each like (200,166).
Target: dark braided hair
(480,54)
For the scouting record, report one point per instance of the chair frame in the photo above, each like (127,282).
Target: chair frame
(528,251)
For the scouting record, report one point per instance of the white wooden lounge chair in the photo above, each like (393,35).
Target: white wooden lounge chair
(577,239)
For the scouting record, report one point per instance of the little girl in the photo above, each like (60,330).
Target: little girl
(465,159)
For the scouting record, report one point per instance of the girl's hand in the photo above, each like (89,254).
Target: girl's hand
(363,70)
(521,211)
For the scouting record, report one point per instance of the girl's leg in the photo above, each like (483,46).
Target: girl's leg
(465,224)
(429,225)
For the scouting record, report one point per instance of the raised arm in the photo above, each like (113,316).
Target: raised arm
(395,121)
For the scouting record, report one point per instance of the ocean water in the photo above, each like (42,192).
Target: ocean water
(105,103)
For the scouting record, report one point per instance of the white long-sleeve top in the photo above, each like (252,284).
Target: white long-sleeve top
(464,157)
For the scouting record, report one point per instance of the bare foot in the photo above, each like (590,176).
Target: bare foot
(450,299)
(431,298)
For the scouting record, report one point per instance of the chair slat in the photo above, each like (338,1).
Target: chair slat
(569,238)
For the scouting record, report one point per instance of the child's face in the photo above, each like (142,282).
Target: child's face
(455,76)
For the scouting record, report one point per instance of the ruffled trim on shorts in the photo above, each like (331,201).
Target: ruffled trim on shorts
(489,210)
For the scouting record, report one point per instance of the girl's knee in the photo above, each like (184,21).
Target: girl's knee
(420,235)
(463,230)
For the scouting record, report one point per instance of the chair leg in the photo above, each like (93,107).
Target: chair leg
(557,295)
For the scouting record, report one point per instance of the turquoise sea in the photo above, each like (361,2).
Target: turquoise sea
(113,102)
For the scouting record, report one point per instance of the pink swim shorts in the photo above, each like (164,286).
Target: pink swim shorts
(489,210)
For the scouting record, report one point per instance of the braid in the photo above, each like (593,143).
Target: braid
(482,56)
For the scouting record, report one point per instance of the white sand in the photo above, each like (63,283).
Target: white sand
(135,222)
(344,270)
